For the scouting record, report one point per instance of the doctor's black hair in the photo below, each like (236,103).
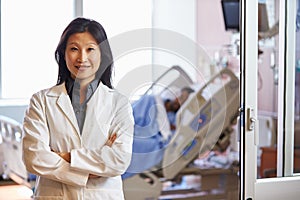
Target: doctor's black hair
(81,25)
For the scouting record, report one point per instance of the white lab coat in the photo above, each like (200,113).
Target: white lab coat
(50,123)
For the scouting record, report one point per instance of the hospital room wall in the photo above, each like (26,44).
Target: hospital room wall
(211,34)
(213,37)
(211,31)
(201,22)
(178,17)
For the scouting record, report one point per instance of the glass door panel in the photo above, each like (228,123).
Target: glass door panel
(297,95)
(267,87)
(269,138)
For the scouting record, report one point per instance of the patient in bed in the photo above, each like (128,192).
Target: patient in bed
(172,106)
(155,124)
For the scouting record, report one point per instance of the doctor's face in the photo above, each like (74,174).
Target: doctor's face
(83,56)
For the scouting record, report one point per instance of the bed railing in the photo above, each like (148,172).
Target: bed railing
(11,151)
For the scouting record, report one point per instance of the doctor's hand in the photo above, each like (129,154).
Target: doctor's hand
(65,155)
(111,139)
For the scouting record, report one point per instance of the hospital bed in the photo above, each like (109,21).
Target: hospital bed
(12,166)
(203,123)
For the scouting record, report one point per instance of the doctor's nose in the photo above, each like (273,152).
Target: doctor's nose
(82,57)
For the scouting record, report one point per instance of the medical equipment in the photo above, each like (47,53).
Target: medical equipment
(11,151)
(202,124)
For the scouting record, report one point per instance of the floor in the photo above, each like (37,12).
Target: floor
(10,191)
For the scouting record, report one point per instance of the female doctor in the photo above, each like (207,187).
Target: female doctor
(78,134)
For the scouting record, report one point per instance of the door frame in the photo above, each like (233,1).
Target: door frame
(286,185)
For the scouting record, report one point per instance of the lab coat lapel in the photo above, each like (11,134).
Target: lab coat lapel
(66,107)
(64,103)
(95,112)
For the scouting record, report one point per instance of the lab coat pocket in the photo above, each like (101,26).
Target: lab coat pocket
(48,189)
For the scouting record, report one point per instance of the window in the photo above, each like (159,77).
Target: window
(30,31)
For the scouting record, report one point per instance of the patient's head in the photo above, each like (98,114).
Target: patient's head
(185,93)
(174,105)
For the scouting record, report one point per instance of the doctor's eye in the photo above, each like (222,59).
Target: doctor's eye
(91,49)
(73,49)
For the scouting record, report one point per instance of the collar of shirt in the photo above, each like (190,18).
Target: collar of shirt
(71,83)
(73,89)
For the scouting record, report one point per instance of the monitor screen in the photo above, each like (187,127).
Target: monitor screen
(263,22)
(231,14)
